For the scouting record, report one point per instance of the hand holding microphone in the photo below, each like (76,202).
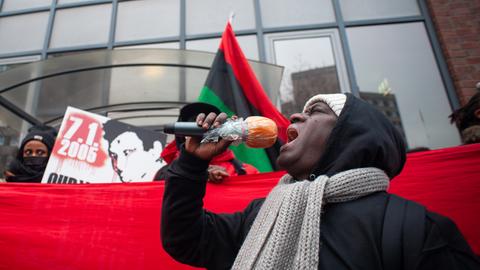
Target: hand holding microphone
(207,151)
(218,133)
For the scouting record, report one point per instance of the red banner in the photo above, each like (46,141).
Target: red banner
(117,226)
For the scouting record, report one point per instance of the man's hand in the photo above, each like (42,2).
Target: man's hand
(216,174)
(207,151)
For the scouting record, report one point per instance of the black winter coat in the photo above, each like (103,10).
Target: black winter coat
(351,232)
(379,231)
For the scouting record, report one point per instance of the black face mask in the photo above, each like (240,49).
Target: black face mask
(36,163)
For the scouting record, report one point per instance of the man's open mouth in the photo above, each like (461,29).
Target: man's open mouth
(292,134)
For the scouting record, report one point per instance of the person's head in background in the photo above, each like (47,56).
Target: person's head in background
(467,119)
(189,112)
(32,156)
(37,147)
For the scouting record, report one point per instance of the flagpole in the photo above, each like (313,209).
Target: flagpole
(230,17)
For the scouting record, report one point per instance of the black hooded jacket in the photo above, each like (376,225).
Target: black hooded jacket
(379,231)
(362,137)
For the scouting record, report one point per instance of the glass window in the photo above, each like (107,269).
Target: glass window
(156,83)
(392,71)
(147,19)
(10,5)
(24,96)
(10,129)
(210,16)
(23,32)
(150,119)
(247,43)
(71,27)
(142,84)
(378,9)
(14,127)
(294,12)
(194,82)
(58,92)
(159,79)
(49,98)
(311,61)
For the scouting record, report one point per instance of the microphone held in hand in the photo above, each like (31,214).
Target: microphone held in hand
(184,129)
(255,131)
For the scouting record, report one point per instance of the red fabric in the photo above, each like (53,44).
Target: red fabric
(170,152)
(117,226)
(447,181)
(248,81)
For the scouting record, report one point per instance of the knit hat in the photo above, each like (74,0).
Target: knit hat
(189,112)
(44,134)
(334,101)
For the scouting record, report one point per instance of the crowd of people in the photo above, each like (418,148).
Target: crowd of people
(329,211)
(36,147)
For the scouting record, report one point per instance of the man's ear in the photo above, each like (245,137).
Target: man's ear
(477,113)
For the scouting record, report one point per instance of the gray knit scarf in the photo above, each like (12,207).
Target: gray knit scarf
(286,232)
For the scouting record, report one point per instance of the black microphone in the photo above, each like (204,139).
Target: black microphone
(184,129)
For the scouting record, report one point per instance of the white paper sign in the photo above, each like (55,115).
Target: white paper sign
(94,149)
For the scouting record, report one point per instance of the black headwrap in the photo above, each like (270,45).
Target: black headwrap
(362,137)
(29,173)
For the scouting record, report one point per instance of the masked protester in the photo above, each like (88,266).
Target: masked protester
(32,157)
(331,211)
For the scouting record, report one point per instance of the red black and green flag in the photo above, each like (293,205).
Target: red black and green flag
(232,87)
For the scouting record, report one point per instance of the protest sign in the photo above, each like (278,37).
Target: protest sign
(91,148)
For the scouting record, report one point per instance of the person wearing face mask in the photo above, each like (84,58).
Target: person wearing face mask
(330,211)
(32,157)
